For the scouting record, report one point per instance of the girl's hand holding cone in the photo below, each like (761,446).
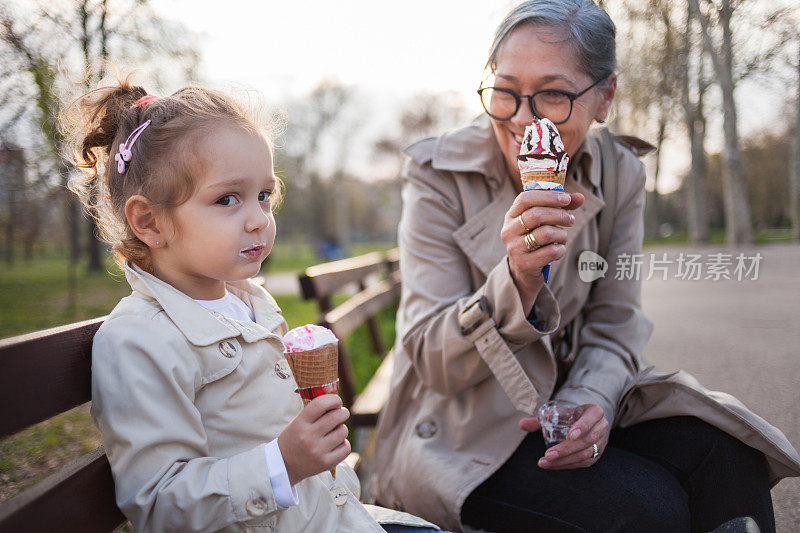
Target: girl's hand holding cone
(313,354)
(316,440)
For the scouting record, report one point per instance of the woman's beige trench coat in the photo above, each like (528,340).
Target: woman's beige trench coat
(468,363)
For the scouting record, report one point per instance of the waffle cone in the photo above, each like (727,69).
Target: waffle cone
(312,368)
(544,175)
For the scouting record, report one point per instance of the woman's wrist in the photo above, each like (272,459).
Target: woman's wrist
(528,292)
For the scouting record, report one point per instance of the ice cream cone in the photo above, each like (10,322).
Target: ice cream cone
(315,367)
(543,175)
(316,372)
(542,161)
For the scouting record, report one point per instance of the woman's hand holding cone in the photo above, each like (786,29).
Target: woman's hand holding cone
(316,440)
(546,213)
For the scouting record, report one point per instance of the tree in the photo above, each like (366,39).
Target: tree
(794,182)
(650,90)
(86,37)
(421,115)
(43,74)
(58,51)
(316,148)
(737,211)
(693,89)
(12,179)
(730,67)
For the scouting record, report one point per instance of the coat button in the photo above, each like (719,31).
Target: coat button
(339,495)
(282,369)
(426,430)
(256,506)
(227,348)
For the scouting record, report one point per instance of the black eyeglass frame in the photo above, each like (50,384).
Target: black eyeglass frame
(518,99)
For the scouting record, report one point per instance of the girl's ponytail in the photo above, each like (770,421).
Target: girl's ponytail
(91,125)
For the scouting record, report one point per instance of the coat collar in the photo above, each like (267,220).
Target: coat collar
(585,166)
(474,150)
(202,326)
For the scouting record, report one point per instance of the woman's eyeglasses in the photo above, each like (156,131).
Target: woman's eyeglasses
(553,104)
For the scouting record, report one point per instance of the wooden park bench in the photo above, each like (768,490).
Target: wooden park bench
(374,283)
(47,373)
(44,374)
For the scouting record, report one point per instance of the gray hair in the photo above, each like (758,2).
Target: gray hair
(589,30)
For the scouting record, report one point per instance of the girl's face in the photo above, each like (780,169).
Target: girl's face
(534,58)
(226,229)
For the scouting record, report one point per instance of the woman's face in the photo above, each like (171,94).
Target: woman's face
(534,58)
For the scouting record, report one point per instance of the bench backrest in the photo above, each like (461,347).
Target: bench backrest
(41,375)
(376,279)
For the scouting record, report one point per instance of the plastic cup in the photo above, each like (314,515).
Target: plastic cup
(556,417)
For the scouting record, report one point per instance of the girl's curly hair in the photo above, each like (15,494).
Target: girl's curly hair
(163,165)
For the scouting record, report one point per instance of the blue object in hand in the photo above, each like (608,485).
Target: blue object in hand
(534,186)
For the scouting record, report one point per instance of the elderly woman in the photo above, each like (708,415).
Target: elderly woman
(483,340)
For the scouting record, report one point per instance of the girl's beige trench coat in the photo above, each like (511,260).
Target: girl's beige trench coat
(186,398)
(469,365)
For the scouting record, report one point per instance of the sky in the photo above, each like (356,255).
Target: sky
(285,48)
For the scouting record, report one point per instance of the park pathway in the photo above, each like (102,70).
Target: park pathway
(282,283)
(741,337)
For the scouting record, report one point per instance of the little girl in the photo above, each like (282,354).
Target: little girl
(196,407)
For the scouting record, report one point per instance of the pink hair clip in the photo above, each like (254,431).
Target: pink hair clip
(124,152)
(145,100)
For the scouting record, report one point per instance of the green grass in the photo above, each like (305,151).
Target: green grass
(298,312)
(290,257)
(717,237)
(295,256)
(359,348)
(34,296)
(27,457)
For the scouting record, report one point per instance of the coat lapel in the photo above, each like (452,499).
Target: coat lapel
(583,215)
(479,236)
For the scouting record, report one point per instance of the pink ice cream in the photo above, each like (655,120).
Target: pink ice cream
(307,337)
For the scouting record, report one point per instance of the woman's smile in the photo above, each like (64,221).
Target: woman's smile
(517,140)
(536,58)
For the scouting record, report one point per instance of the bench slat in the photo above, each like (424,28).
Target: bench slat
(58,358)
(393,258)
(321,281)
(79,497)
(348,316)
(370,402)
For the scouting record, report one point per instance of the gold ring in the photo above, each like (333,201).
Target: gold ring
(530,242)
(522,222)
